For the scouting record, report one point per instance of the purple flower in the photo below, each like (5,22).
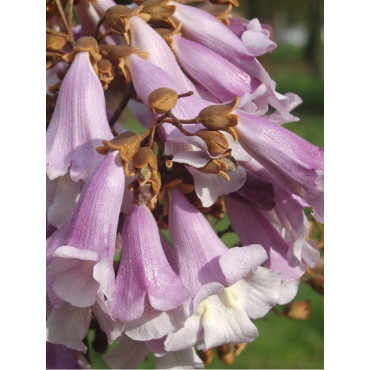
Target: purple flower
(79,123)
(294,162)
(80,253)
(227,285)
(147,291)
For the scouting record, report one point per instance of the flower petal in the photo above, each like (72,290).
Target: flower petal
(68,325)
(295,163)
(79,123)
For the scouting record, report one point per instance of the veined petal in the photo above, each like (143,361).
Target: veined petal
(222,78)
(78,124)
(213,34)
(148,40)
(147,77)
(154,324)
(80,254)
(248,259)
(68,325)
(196,244)
(210,186)
(74,285)
(144,270)
(253,228)
(295,163)
(97,210)
(256,39)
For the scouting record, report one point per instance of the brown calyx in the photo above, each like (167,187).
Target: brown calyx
(216,142)
(117,18)
(127,143)
(220,166)
(84,44)
(117,55)
(220,117)
(105,72)
(298,310)
(160,12)
(168,34)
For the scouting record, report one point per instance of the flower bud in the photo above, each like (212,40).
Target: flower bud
(298,310)
(106,72)
(116,17)
(219,117)
(160,12)
(162,100)
(128,144)
(216,142)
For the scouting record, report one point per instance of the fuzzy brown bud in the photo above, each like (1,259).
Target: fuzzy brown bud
(298,310)
(220,166)
(160,12)
(220,117)
(106,72)
(128,144)
(117,16)
(86,43)
(216,142)
(162,100)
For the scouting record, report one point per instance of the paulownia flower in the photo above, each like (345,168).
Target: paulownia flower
(148,294)
(80,253)
(78,124)
(227,285)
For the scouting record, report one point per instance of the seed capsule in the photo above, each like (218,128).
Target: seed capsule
(162,100)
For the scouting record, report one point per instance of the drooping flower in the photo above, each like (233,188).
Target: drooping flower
(294,162)
(79,122)
(80,254)
(148,294)
(227,285)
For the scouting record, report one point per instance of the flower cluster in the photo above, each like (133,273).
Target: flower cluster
(130,246)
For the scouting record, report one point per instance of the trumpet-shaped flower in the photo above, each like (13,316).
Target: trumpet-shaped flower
(228,286)
(80,253)
(294,162)
(79,123)
(147,291)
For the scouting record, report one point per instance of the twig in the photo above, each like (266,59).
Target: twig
(67,26)
(53,54)
(56,33)
(70,12)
